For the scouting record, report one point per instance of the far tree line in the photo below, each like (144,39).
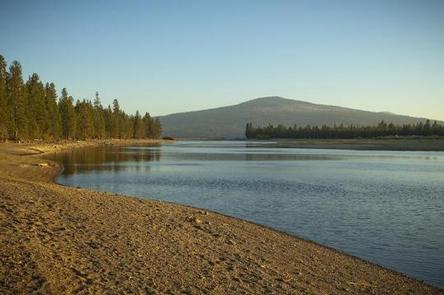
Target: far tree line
(344,131)
(34,110)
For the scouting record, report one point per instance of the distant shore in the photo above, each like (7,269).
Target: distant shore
(58,240)
(389,143)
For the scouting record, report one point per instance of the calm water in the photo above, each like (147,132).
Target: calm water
(383,206)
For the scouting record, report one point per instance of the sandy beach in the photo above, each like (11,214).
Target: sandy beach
(63,240)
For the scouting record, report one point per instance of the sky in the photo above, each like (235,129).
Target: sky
(172,56)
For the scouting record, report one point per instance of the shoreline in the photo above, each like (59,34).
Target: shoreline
(268,269)
(374,144)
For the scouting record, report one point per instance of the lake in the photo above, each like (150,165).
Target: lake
(384,206)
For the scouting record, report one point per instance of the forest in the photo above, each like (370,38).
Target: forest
(342,131)
(35,110)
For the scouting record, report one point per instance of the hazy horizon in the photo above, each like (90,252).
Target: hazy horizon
(171,57)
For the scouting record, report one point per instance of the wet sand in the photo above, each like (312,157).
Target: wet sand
(62,240)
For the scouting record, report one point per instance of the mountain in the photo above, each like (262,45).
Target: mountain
(229,122)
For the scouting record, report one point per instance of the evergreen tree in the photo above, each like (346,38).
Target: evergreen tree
(68,115)
(344,132)
(115,120)
(4,111)
(18,128)
(108,116)
(85,123)
(148,123)
(53,125)
(99,118)
(36,111)
(157,128)
(126,128)
(31,111)
(138,126)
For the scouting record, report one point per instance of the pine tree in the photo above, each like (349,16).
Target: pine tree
(138,126)
(53,124)
(36,108)
(16,100)
(147,122)
(4,111)
(115,120)
(99,118)
(85,122)
(345,132)
(108,116)
(31,110)
(157,128)
(126,128)
(68,115)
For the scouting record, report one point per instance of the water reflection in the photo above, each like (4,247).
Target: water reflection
(105,159)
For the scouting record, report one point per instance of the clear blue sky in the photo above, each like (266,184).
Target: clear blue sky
(171,56)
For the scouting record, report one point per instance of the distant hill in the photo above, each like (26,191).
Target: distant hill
(229,122)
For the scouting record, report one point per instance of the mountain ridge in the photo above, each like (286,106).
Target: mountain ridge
(228,122)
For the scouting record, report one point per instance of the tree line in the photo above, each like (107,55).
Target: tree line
(344,131)
(34,110)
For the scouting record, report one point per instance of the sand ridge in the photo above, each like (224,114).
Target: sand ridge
(62,240)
